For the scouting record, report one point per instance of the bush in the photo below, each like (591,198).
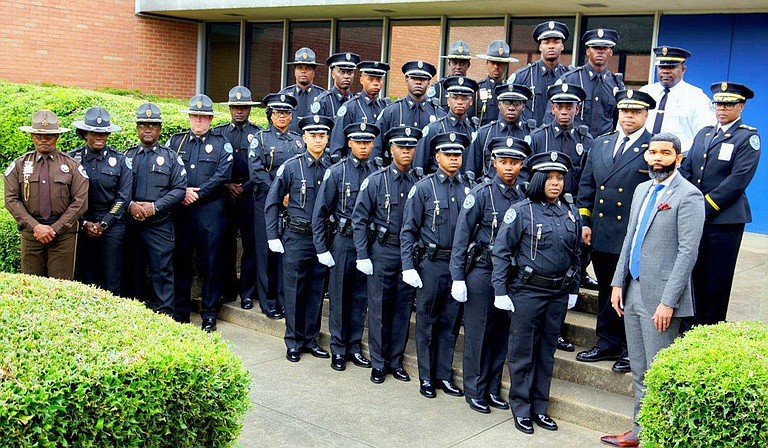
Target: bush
(709,388)
(18,102)
(80,367)
(10,241)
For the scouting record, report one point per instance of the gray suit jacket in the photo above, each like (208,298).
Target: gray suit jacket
(670,247)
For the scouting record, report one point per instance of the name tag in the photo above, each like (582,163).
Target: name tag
(726,151)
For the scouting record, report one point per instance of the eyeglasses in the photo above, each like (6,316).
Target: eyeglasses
(282,113)
(725,106)
(515,103)
(45,136)
(148,125)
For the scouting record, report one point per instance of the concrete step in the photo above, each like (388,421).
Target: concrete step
(579,328)
(587,302)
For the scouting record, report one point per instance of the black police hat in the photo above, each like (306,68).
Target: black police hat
(148,113)
(450,143)
(373,68)
(550,161)
(670,56)
(460,85)
(316,124)
(240,96)
(280,101)
(403,136)
(548,30)
(566,93)
(601,37)
(346,61)
(96,119)
(634,99)
(363,132)
(515,148)
(419,69)
(305,56)
(458,50)
(512,92)
(730,92)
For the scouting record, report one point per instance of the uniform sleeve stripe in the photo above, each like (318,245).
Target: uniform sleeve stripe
(585,212)
(712,203)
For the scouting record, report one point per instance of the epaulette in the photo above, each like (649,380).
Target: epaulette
(747,127)
(222,125)
(573,70)
(607,134)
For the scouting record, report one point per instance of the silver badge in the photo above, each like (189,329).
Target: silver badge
(64,168)
(510,142)
(112,161)
(250,138)
(160,161)
(29,167)
(553,156)
(452,136)
(209,148)
(432,118)
(579,148)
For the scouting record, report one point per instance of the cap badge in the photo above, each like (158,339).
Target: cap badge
(600,32)
(148,113)
(564,87)
(461,81)
(98,120)
(199,104)
(664,51)
(461,49)
(44,122)
(375,64)
(348,57)
(510,142)
(304,55)
(501,50)
(282,97)
(238,95)
(420,64)
(362,126)
(452,136)
(553,156)
(551,25)
(630,93)
(724,86)
(316,118)
(408,132)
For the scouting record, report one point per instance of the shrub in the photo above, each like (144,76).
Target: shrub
(80,367)
(10,241)
(709,388)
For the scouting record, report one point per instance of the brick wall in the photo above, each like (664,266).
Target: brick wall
(96,44)
(411,43)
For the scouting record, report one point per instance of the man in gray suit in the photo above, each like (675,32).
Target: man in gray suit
(652,282)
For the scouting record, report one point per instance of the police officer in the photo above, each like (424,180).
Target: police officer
(486,328)
(413,110)
(335,202)
(541,74)
(380,206)
(511,103)
(46,192)
(299,178)
(342,67)
(459,60)
(615,167)
(535,270)
(238,201)
(270,148)
(100,246)
(600,84)
(305,90)
(683,109)
(431,212)
(364,106)
(159,184)
(722,162)
(497,61)
(199,220)
(459,91)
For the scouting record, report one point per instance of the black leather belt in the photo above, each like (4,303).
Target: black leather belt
(391,239)
(441,254)
(300,227)
(485,256)
(555,284)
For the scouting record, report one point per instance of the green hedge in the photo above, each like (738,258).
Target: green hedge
(709,388)
(80,367)
(18,102)
(10,241)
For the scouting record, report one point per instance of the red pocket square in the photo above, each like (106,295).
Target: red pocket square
(663,206)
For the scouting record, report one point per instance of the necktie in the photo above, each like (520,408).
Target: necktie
(596,106)
(45,189)
(141,162)
(660,112)
(642,228)
(621,149)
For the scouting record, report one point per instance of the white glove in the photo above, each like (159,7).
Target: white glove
(504,303)
(327,259)
(365,266)
(411,276)
(572,298)
(276,246)
(459,290)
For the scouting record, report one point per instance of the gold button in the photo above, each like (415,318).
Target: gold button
(619,217)
(601,201)
(602,187)
(619,204)
(621,190)
(600,215)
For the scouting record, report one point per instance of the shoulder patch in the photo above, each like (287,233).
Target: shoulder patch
(364,185)
(431,92)
(280,170)
(129,162)
(342,111)
(326,175)
(315,107)
(180,160)
(510,216)
(424,131)
(412,192)
(469,201)
(228,148)
(754,142)
(10,168)
(255,143)
(82,172)
(511,78)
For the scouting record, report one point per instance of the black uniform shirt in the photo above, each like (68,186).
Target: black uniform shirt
(159,176)
(207,159)
(551,137)
(425,157)
(537,77)
(359,109)
(240,137)
(110,183)
(270,148)
(478,157)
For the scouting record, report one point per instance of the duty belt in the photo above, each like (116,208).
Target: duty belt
(344,230)
(555,284)
(391,239)
(299,226)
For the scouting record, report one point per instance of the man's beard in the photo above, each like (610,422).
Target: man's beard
(662,174)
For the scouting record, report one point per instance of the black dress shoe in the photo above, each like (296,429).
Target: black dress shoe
(377,376)
(400,374)
(495,401)
(427,389)
(524,424)
(588,282)
(564,345)
(274,314)
(622,365)
(338,363)
(450,389)
(595,354)
(209,324)
(360,361)
(316,351)
(293,355)
(545,422)
(246,303)
(479,405)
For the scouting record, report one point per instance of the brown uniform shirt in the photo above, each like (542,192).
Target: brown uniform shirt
(68,190)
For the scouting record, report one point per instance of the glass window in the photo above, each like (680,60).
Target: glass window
(314,35)
(477,33)
(411,40)
(265,58)
(523,47)
(223,59)
(632,54)
(361,37)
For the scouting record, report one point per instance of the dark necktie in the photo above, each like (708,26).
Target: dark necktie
(660,112)
(594,119)
(45,189)
(621,149)
(141,162)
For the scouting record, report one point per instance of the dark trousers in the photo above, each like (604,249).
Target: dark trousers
(486,334)
(610,327)
(199,229)
(347,298)
(713,273)
(240,219)
(389,308)
(100,260)
(150,243)
(303,279)
(269,265)
(533,332)
(55,259)
(437,321)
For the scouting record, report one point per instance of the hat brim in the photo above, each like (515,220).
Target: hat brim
(197,112)
(149,120)
(80,124)
(31,130)
(241,103)
(600,43)
(316,64)
(496,58)
(467,57)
